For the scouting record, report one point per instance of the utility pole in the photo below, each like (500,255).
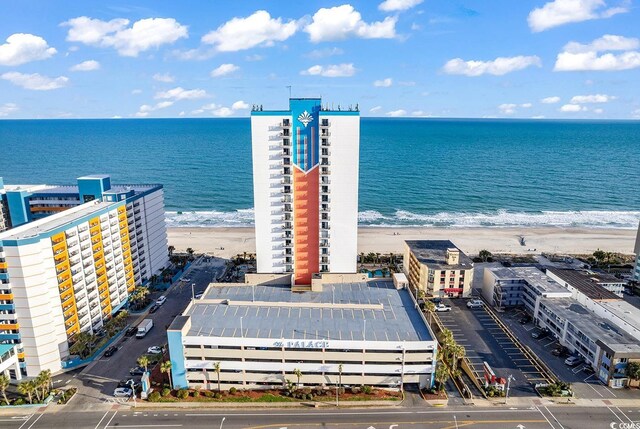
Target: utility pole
(509,379)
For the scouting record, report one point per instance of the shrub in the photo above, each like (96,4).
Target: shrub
(154,397)
(367,389)
(3,404)
(166,391)
(183,393)
(233,391)
(19,401)
(309,397)
(208,394)
(355,390)
(195,394)
(341,390)
(306,390)
(217,395)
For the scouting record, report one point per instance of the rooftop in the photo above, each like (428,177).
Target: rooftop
(591,325)
(627,311)
(49,223)
(588,283)
(534,277)
(338,312)
(434,253)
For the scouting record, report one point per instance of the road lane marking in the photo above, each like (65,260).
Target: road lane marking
(109,422)
(25,422)
(554,417)
(35,421)
(105,415)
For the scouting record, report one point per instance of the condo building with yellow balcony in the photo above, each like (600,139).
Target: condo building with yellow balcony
(71,270)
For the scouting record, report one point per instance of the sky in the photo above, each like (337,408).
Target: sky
(567,59)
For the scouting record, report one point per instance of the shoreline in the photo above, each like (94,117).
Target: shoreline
(230,241)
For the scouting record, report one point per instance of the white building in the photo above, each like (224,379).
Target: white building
(305,185)
(70,272)
(636,272)
(260,334)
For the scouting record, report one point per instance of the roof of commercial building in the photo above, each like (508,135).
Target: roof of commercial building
(588,283)
(591,325)
(49,223)
(629,312)
(434,253)
(338,312)
(533,276)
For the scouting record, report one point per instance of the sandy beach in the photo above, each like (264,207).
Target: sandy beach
(226,242)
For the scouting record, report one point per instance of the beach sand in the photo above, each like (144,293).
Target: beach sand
(226,242)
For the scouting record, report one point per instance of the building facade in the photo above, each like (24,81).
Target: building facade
(438,268)
(636,271)
(71,271)
(366,333)
(305,184)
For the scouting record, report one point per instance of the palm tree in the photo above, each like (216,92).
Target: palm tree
(633,370)
(458,352)
(143,361)
(430,307)
(190,251)
(216,368)
(298,374)
(165,367)
(154,279)
(81,344)
(442,373)
(4,383)
(171,249)
(484,255)
(26,388)
(43,381)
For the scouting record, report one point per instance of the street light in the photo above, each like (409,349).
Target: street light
(193,293)
(223,419)
(509,379)
(339,385)
(133,390)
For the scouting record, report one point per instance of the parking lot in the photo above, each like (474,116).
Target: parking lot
(99,379)
(585,385)
(485,341)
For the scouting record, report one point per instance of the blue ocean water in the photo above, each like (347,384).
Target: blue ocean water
(413,172)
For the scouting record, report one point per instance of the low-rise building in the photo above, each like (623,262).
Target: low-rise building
(587,285)
(363,333)
(602,331)
(438,268)
(9,365)
(70,271)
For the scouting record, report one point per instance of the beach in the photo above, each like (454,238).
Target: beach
(226,242)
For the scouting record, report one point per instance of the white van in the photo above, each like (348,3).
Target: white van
(161,300)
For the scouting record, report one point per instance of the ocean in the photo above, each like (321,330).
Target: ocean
(413,172)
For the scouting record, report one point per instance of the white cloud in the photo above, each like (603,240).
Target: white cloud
(254,57)
(145,109)
(384,82)
(397,113)
(335,70)
(595,98)
(538,117)
(341,22)
(8,108)
(136,92)
(507,108)
(239,105)
(396,5)
(526,105)
(418,113)
(258,29)
(128,41)
(579,57)
(164,77)
(89,65)
(497,67)
(550,100)
(22,48)
(572,108)
(35,81)
(635,114)
(559,12)
(180,93)
(224,69)
(223,112)
(375,109)
(598,111)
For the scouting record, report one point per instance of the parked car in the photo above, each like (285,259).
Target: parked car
(436,300)
(154,350)
(153,308)
(540,333)
(122,392)
(110,351)
(185,279)
(199,295)
(161,300)
(131,331)
(588,369)
(138,370)
(573,360)
(560,351)
(475,303)
(525,319)
(443,307)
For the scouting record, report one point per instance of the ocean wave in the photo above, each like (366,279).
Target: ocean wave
(404,218)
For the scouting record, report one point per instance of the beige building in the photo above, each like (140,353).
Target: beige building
(438,268)
(636,271)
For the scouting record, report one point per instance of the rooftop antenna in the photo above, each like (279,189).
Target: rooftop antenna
(289,86)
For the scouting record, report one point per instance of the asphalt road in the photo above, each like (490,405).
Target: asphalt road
(397,418)
(97,382)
